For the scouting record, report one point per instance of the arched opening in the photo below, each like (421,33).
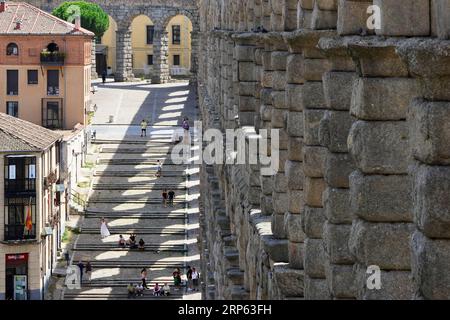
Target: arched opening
(12,50)
(52,47)
(179,29)
(142,37)
(106,50)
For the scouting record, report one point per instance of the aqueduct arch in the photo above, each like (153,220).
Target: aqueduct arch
(160,12)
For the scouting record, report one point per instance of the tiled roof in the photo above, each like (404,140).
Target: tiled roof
(21,135)
(34,21)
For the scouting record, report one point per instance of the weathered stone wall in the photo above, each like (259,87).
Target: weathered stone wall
(363,118)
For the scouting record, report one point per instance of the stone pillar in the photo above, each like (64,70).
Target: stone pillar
(380,188)
(428,119)
(161,72)
(313,65)
(194,52)
(94,74)
(124,56)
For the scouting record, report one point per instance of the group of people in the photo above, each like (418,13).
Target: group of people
(192,276)
(138,290)
(131,242)
(168,197)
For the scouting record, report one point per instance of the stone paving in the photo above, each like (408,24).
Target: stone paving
(127,193)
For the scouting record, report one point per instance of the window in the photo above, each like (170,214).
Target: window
(176,34)
(176,60)
(52,115)
(12,108)
(20,175)
(17,210)
(150,34)
(150,59)
(12,50)
(12,82)
(52,82)
(32,77)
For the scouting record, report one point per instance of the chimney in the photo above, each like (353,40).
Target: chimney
(77,23)
(3,6)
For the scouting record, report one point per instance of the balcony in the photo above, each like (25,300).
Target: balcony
(20,187)
(17,232)
(55,58)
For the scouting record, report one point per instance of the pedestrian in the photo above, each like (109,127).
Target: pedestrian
(144,278)
(144,125)
(189,279)
(141,244)
(165,290)
(67,257)
(131,291)
(157,290)
(195,279)
(88,271)
(139,290)
(158,169)
(186,135)
(122,242)
(81,267)
(171,197)
(164,197)
(104,229)
(104,76)
(177,278)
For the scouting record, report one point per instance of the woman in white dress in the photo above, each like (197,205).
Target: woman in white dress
(104,229)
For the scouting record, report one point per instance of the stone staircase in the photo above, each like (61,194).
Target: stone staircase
(126,192)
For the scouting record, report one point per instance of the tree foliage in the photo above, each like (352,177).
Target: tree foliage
(93,18)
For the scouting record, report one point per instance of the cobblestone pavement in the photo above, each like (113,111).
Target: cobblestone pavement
(126,192)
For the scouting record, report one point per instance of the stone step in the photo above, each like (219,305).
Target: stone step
(148,160)
(136,215)
(115,247)
(137,230)
(133,264)
(137,173)
(101,283)
(158,141)
(138,186)
(129,199)
(69,295)
(147,150)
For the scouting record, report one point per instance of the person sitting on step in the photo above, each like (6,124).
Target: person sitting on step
(165,291)
(141,244)
(122,242)
(131,291)
(157,290)
(139,290)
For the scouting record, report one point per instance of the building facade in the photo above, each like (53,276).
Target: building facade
(41,57)
(179,54)
(31,216)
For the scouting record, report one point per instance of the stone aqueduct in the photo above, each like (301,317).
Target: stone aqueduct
(160,12)
(364,120)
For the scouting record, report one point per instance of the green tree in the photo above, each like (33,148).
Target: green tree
(93,18)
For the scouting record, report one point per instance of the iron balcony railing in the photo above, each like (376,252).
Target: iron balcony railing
(17,232)
(52,58)
(20,186)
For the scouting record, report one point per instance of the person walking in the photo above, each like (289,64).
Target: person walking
(81,267)
(195,279)
(189,278)
(67,257)
(158,169)
(144,278)
(164,197)
(104,76)
(104,229)
(186,135)
(171,197)
(144,125)
(88,271)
